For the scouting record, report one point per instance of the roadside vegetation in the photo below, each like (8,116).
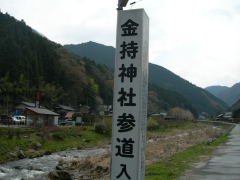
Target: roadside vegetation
(175,165)
(159,125)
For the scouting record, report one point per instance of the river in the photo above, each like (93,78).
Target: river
(38,168)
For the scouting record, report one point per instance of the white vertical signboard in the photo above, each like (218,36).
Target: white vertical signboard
(130,96)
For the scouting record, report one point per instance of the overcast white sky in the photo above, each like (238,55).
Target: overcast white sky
(197,39)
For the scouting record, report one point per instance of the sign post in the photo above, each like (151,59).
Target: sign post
(130,96)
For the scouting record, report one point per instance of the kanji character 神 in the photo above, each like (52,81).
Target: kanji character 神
(129,72)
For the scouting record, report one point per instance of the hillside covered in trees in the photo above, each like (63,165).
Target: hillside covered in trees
(29,62)
(236,109)
(200,99)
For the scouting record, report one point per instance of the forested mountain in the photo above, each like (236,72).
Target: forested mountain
(229,95)
(236,109)
(160,99)
(200,99)
(236,105)
(29,62)
(102,54)
(163,99)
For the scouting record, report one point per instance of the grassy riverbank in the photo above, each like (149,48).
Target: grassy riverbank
(18,143)
(173,166)
(168,152)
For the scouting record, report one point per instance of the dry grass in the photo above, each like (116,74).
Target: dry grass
(159,147)
(167,145)
(88,169)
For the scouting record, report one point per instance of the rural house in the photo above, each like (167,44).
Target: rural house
(63,110)
(23,105)
(40,117)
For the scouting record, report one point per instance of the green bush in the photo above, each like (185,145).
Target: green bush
(89,120)
(104,127)
(152,124)
(58,137)
(100,128)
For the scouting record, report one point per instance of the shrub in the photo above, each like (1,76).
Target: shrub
(10,133)
(181,114)
(100,128)
(88,120)
(58,137)
(104,127)
(152,124)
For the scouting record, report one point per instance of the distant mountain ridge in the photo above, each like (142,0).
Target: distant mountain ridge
(29,62)
(216,90)
(105,54)
(229,95)
(200,99)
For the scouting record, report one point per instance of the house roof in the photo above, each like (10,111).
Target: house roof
(28,104)
(66,107)
(69,115)
(42,111)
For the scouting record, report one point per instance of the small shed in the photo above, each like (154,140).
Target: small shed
(40,117)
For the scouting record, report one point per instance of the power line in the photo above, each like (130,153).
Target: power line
(134,2)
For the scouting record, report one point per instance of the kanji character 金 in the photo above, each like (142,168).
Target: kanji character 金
(129,28)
